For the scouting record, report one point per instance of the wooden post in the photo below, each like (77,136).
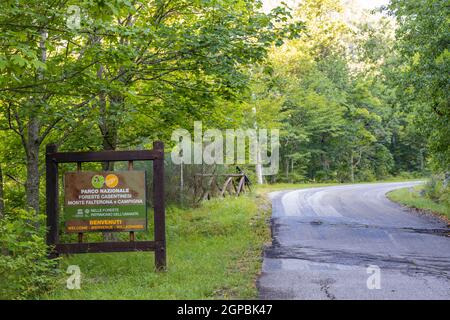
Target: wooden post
(131,167)
(241,185)
(159,206)
(80,234)
(80,237)
(226,185)
(52,203)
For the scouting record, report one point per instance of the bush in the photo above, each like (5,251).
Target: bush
(25,270)
(294,177)
(438,189)
(365,175)
(405,175)
(322,176)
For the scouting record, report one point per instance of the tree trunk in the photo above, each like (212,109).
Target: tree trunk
(32,182)
(108,126)
(33,139)
(181,183)
(258,168)
(108,129)
(2,202)
(422,166)
(286,167)
(352,169)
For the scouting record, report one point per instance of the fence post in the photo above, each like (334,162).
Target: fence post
(159,207)
(52,203)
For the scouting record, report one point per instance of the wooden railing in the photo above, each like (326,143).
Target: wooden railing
(221,185)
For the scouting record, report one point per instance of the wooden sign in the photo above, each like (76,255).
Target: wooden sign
(115,202)
(105,201)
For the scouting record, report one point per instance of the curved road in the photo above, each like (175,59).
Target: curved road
(351,242)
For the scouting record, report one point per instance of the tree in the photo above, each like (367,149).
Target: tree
(422,42)
(37,73)
(169,58)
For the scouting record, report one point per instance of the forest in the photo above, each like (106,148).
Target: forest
(357,95)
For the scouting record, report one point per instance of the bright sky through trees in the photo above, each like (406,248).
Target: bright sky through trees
(366,4)
(370,4)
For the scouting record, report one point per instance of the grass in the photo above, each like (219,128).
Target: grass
(214,251)
(412,198)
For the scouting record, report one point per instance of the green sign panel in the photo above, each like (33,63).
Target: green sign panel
(105,201)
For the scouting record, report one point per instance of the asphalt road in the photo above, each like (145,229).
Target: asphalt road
(351,242)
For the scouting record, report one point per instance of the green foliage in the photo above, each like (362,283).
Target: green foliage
(339,117)
(438,189)
(422,41)
(130,73)
(25,270)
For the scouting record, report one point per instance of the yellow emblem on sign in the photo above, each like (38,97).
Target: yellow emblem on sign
(111,180)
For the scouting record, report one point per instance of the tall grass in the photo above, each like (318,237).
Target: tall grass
(214,251)
(416,198)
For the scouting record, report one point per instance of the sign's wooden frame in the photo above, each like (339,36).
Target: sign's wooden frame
(158,245)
